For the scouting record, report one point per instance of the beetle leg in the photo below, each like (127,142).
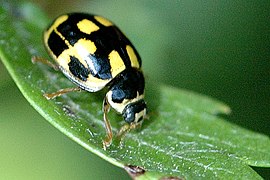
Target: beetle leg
(108,140)
(61,92)
(125,129)
(44,61)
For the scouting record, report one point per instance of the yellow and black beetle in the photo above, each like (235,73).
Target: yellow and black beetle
(93,53)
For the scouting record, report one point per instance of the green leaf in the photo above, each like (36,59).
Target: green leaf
(185,136)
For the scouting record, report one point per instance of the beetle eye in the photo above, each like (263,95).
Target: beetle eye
(133,109)
(129,115)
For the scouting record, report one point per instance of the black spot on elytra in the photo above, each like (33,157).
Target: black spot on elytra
(102,67)
(106,39)
(78,69)
(56,44)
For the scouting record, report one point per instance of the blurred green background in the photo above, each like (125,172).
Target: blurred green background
(217,48)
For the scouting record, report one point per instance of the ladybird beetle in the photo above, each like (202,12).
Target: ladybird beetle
(93,53)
